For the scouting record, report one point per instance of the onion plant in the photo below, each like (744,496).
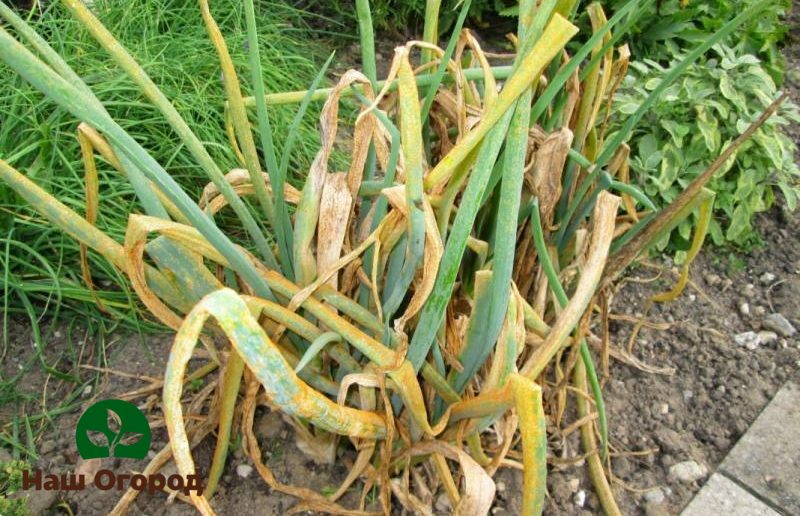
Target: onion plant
(444,283)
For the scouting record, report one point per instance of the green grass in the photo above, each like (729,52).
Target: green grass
(39,138)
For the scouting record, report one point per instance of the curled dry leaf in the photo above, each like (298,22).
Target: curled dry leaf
(544,179)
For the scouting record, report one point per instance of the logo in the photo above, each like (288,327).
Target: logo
(117,429)
(113,428)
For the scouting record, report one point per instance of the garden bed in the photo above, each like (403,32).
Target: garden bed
(698,413)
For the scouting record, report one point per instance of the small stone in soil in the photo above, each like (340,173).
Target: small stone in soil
(655,496)
(767,278)
(748,339)
(779,324)
(767,337)
(687,471)
(244,470)
(744,309)
(580,498)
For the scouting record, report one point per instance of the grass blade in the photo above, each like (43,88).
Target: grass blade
(72,99)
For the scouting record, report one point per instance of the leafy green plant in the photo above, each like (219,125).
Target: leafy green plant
(694,120)
(13,506)
(10,483)
(667,28)
(11,475)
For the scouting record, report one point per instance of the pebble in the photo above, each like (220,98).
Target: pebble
(779,324)
(244,470)
(687,471)
(759,311)
(654,496)
(749,291)
(663,408)
(712,279)
(748,339)
(767,278)
(744,309)
(87,390)
(692,298)
(580,498)
(688,395)
(501,486)
(767,337)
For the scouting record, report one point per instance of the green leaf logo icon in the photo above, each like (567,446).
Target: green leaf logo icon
(112,428)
